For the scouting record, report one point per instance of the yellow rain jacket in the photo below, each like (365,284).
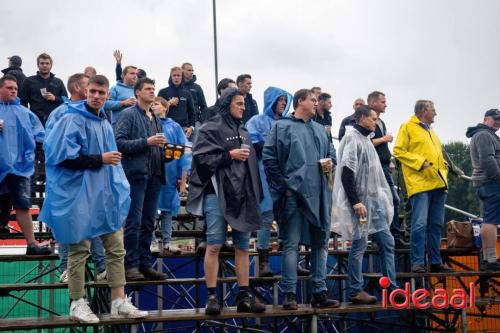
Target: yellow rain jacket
(415,145)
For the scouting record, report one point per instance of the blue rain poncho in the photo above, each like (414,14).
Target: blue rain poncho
(169,196)
(21,128)
(357,152)
(259,126)
(82,204)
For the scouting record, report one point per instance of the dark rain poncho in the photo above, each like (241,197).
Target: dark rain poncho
(236,183)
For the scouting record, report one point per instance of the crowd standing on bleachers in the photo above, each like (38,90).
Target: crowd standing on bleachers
(114,159)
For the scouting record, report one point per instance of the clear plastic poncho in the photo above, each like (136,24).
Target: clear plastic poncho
(357,152)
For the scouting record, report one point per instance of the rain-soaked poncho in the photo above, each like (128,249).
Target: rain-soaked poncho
(21,128)
(291,157)
(82,204)
(169,196)
(57,113)
(259,126)
(357,152)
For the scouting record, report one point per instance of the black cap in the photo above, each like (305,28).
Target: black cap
(15,60)
(494,113)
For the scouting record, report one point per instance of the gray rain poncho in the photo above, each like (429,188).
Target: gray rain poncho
(356,151)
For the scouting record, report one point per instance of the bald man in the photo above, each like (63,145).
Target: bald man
(349,120)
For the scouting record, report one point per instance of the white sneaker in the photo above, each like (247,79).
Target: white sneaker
(154,246)
(64,277)
(80,311)
(171,249)
(101,276)
(123,308)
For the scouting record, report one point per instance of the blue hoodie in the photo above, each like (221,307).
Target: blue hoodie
(169,196)
(259,126)
(21,128)
(118,93)
(82,204)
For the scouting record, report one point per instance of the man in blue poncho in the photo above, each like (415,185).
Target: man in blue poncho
(87,195)
(276,105)
(19,128)
(296,158)
(121,95)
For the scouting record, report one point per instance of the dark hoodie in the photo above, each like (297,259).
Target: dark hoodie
(200,105)
(485,154)
(237,183)
(183,113)
(31,95)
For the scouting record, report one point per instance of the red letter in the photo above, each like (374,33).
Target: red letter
(461,296)
(416,298)
(472,299)
(406,292)
(384,298)
(440,299)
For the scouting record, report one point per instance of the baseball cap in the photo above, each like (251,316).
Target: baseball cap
(15,60)
(494,113)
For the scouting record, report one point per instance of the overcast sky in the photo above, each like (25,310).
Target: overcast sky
(447,50)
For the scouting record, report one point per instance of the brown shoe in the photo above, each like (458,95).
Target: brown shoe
(133,274)
(151,274)
(363,297)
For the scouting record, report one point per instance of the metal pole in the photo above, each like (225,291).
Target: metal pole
(214,11)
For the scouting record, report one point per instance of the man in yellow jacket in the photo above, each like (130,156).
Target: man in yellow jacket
(425,173)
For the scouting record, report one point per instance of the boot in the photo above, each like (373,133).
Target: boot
(264,266)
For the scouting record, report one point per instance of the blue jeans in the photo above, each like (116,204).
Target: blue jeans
(140,222)
(489,194)
(427,217)
(217,225)
(385,243)
(395,227)
(264,233)
(96,250)
(290,233)
(166,226)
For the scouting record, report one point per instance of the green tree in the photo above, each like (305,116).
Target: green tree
(461,193)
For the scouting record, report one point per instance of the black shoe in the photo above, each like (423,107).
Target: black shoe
(490,266)
(201,248)
(246,302)
(321,300)
(227,248)
(436,268)
(212,306)
(302,271)
(264,266)
(150,274)
(418,269)
(401,244)
(38,250)
(289,301)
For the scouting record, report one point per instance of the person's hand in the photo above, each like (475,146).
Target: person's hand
(360,210)
(327,166)
(426,165)
(111,157)
(173,101)
(118,56)
(392,166)
(49,96)
(157,140)
(1,126)
(188,131)
(239,154)
(128,102)
(388,138)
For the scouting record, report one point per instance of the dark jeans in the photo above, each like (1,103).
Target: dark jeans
(140,222)
(395,227)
